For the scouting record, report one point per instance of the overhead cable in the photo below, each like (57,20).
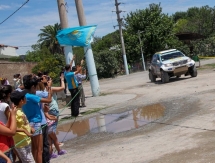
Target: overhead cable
(14,12)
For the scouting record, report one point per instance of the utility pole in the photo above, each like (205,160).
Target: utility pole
(64,24)
(121,36)
(88,52)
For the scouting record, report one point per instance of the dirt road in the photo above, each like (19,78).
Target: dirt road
(159,123)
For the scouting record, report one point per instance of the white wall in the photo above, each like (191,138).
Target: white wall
(8,51)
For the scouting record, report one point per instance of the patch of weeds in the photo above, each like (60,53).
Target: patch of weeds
(207,66)
(104,94)
(92,111)
(66,118)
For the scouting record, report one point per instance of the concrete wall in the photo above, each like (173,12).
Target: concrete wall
(11,51)
(8,69)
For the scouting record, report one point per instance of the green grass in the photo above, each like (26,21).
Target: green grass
(92,111)
(104,94)
(207,66)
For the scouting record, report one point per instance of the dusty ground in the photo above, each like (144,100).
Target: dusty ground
(184,133)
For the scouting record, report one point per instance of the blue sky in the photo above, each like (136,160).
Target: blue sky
(23,27)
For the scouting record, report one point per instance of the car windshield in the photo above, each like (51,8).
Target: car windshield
(171,56)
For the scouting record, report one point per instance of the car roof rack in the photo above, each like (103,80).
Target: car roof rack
(166,51)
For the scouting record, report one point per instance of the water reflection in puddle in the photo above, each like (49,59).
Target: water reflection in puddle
(112,123)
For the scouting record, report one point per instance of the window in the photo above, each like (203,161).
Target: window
(154,59)
(173,55)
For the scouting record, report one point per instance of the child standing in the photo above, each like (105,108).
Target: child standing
(23,131)
(6,133)
(52,112)
(4,102)
(33,113)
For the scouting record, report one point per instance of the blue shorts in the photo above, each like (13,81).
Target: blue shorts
(53,127)
(37,127)
(54,113)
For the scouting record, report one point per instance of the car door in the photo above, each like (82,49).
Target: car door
(153,64)
(158,65)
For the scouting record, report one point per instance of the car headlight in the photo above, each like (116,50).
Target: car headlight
(189,60)
(168,65)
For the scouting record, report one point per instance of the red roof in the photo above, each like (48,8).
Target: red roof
(2,45)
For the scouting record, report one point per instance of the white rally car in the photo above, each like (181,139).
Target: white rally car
(169,63)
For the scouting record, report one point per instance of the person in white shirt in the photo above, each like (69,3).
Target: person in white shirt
(17,81)
(4,102)
(80,77)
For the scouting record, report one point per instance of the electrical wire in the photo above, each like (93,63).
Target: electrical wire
(69,130)
(14,12)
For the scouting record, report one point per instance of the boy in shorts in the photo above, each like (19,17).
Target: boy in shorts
(23,131)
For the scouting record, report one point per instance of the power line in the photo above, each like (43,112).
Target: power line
(14,12)
(24,46)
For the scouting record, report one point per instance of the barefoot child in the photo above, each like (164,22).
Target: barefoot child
(23,131)
(51,119)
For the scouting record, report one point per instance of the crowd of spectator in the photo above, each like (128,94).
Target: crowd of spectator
(29,114)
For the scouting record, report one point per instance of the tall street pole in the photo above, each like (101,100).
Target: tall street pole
(64,24)
(89,53)
(121,37)
(144,67)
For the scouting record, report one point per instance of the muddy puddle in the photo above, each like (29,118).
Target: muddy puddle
(111,123)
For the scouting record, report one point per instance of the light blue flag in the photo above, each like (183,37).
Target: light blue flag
(76,36)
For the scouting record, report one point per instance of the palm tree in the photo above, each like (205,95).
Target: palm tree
(49,40)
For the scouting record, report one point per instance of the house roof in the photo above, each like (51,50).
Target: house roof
(2,45)
(189,36)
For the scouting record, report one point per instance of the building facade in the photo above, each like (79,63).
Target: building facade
(7,51)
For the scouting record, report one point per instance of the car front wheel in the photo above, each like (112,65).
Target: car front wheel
(193,71)
(164,77)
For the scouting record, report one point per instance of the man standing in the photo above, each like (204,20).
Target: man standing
(80,77)
(73,88)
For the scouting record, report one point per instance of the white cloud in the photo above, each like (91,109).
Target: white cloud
(3,7)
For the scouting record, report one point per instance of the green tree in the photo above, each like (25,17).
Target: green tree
(16,59)
(205,47)
(52,63)
(79,54)
(106,42)
(49,40)
(201,20)
(179,15)
(37,54)
(106,63)
(181,26)
(156,27)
